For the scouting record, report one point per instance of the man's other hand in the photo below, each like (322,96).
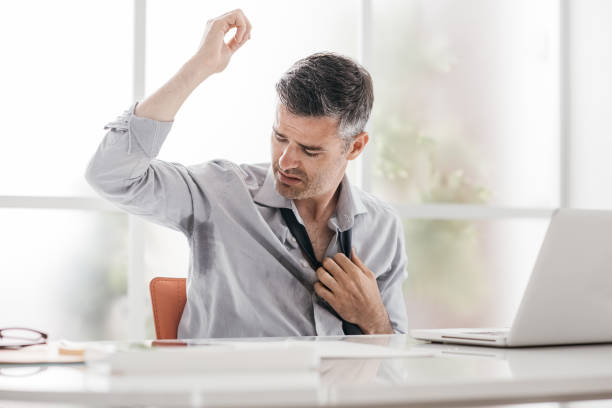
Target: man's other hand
(351,289)
(214,53)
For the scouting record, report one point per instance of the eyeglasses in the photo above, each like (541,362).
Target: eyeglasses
(17,337)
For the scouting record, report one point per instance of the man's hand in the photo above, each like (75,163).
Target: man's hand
(214,54)
(350,288)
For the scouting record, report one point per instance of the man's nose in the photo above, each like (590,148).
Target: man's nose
(288,160)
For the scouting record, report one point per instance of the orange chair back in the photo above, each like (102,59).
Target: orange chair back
(168,299)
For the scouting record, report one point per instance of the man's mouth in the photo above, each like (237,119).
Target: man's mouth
(287,179)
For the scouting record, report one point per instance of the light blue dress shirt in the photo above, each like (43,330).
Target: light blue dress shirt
(247,275)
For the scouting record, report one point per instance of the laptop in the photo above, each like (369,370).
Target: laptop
(568,299)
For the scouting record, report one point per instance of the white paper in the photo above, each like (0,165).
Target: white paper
(337,349)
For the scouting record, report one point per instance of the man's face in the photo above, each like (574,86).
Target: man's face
(308,155)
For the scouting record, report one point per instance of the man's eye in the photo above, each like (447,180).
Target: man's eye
(311,154)
(280,138)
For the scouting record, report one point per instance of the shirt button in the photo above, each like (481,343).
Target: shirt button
(305,264)
(292,239)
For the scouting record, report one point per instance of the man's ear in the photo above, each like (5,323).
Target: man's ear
(357,145)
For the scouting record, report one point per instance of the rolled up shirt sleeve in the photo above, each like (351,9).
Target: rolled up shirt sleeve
(124,170)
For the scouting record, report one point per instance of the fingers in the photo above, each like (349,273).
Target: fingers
(353,266)
(234,45)
(335,270)
(349,268)
(247,33)
(324,293)
(328,280)
(357,261)
(236,19)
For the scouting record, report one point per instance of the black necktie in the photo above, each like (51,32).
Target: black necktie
(301,236)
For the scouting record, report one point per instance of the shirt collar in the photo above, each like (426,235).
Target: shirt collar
(348,207)
(268,196)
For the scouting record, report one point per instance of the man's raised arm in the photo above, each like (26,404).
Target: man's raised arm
(125,170)
(213,56)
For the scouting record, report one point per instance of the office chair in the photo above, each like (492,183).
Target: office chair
(168,299)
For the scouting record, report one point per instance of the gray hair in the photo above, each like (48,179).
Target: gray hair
(328,84)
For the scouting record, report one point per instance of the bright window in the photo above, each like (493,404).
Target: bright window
(64,272)
(467,140)
(467,102)
(66,71)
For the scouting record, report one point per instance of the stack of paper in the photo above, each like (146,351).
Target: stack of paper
(203,359)
(39,354)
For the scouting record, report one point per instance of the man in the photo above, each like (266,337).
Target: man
(271,251)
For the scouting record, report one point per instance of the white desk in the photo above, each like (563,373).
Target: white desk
(453,376)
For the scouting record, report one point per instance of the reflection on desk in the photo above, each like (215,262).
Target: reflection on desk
(454,375)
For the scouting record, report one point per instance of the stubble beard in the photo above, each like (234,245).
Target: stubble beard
(306,189)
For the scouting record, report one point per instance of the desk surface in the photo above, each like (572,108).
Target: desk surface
(450,375)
